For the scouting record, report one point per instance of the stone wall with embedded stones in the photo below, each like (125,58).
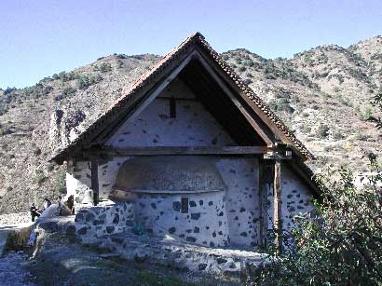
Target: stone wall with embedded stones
(166,251)
(107,174)
(78,180)
(296,197)
(78,183)
(239,224)
(241,176)
(185,256)
(154,126)
(95,222)
(203,221)
(242,209)
(233,217)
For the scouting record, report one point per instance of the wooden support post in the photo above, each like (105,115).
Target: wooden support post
(262,207)
(277,225)
(94,181)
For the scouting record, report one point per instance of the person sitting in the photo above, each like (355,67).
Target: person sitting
(68,207)
(34,212)
(47,204)
(52,210)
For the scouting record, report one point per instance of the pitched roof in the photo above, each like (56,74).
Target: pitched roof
(168,62)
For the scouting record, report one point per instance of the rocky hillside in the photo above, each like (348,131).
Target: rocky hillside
(323,94)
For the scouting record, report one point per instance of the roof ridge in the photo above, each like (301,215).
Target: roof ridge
(168,59)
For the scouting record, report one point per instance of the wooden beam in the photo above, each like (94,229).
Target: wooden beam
(169,150)
(94,181)
(277,225)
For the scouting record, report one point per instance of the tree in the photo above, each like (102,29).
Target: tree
(377,101)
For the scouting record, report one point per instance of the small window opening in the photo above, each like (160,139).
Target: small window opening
(184,205)
(172,107)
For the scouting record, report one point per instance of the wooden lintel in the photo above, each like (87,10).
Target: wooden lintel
(169,150)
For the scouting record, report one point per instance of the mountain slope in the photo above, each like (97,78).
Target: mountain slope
(322,94)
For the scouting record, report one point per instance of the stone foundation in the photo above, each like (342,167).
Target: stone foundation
(170,252)
(116,236)
(96,222)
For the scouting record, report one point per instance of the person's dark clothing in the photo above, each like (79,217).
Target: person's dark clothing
(34,212)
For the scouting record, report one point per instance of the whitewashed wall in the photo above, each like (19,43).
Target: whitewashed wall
(204,223)
(193,125)
(231,216)
(241,177)
(296,199)
(78,183)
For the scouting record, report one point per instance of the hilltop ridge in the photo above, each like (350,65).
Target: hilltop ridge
(323,94)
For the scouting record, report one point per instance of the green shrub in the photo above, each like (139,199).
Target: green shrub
(105,67)
(366,114)
(39,177)
(341,244)
(55,76)
(68,91)
(249,63)
(306,129)
(323,131)
(84,81)
(9,90)
(281,104)
(239,61)
(338,135)
(64,76)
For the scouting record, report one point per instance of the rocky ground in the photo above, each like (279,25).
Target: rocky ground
(323,94)
(63,262)
(13,270)
(15,218)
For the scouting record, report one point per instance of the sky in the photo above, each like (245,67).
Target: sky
(41,37)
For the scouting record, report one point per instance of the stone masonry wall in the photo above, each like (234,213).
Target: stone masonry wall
(241,175)
(295,199)
(205,221)
(192,126)
(107,174)
(78,183)
(95,222)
